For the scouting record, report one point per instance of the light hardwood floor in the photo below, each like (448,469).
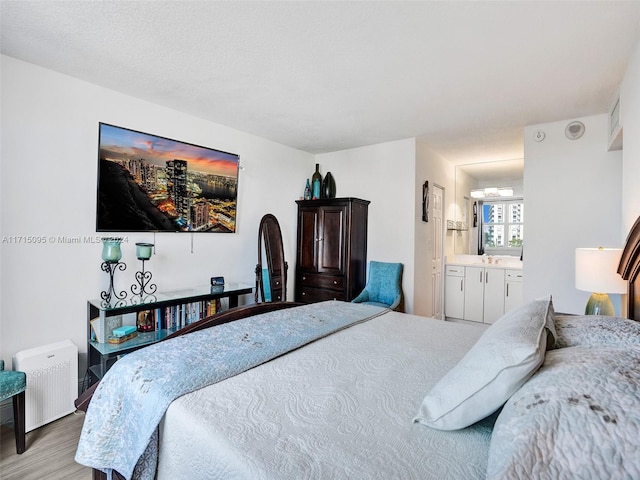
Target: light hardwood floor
(49,455)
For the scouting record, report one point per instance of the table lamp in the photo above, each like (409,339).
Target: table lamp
(596,272)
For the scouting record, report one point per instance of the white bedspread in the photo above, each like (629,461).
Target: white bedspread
(340,408)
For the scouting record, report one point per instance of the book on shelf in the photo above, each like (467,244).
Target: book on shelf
(173,317)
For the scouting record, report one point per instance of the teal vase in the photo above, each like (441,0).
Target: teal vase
(111,252)
(316,183)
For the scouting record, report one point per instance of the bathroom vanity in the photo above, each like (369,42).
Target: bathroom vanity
(482,288)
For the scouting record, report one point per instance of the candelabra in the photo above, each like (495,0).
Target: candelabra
(143,278)
(111,255)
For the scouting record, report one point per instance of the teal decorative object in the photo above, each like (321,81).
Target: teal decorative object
(13,385)
(307,191)
(384,286)
(111,255)
(316,183)
(111,252)
(143,251)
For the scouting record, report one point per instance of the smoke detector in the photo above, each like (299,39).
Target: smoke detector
(574,130)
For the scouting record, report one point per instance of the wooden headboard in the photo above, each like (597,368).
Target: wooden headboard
(629,268)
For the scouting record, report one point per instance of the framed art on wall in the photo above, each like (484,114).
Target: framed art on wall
(425,201)
(148,183)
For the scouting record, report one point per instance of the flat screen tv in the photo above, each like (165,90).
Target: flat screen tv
(148,183)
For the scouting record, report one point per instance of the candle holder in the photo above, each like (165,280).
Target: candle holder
(143,278)
(111,255)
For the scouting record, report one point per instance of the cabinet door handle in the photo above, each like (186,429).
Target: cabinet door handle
(486,277)
(303,294)
(335,282)
(304,278)
(480,276)
(507,289)
(461,285)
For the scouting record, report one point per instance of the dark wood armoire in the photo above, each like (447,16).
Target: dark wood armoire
(331,258)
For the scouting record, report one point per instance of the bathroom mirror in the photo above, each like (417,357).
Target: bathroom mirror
(479,176)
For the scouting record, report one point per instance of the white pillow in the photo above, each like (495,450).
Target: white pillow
(500,362)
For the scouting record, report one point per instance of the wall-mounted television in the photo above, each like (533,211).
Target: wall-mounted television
(148,183)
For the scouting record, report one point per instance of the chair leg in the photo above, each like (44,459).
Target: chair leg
(19,421)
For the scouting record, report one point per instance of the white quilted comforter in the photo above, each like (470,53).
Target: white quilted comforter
(339,408)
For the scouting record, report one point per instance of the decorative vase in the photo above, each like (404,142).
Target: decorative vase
(328,186)
(316,183)
(111,252)
(307,191)
(143,251)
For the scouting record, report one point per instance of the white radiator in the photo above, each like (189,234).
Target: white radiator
(52,381)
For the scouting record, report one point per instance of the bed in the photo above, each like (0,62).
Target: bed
(363,392)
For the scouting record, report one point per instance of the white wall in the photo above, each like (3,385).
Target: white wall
(630,119)
(573,197)
(49,171)
(438,171)
(385,175)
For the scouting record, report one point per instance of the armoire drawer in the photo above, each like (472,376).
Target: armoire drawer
(334,282)
(312,295)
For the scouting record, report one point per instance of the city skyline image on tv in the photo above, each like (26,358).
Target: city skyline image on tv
(151,183)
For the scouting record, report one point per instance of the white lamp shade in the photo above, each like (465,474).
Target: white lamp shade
(596,270)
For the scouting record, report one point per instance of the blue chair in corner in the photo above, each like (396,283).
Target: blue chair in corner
(384,286)
(12,385)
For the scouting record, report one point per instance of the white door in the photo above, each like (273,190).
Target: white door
(437,214)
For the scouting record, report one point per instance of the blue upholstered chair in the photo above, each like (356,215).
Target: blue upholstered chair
(384,285)
(13,384)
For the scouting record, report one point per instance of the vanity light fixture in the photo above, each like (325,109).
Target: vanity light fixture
(492,192)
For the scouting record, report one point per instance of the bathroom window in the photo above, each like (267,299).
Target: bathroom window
(503,227)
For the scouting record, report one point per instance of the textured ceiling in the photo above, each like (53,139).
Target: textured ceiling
(464,77)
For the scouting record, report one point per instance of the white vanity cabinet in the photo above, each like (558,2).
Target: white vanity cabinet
(513,289)
(454,291)
(484,294)
(481,293)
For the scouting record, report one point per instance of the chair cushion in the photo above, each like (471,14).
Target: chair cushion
(384,282)
(11,383)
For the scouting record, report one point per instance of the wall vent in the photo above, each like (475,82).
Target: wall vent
(52,381)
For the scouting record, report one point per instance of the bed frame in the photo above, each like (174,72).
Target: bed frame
(629,268)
